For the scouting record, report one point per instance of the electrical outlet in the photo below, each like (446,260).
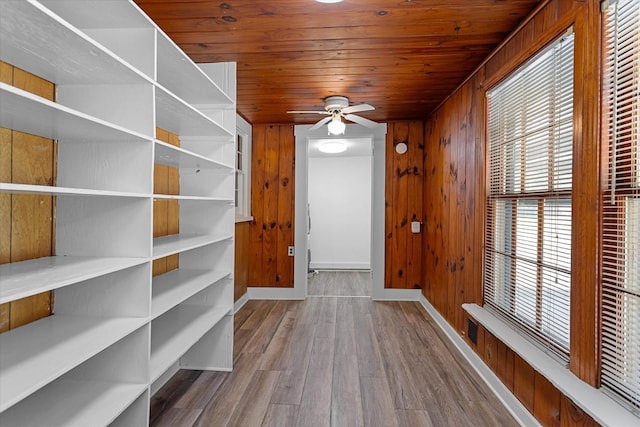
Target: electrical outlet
(291,251)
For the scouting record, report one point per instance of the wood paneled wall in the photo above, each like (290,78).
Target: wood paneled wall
(403,204)
(454,205)
(272,205)
(241,264)
(166,213)
(27,228)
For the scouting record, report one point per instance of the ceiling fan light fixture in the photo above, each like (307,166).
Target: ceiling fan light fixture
(333,147)
(336,126)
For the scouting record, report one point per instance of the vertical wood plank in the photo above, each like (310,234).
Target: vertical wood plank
(400,196)
(5,198)
(546,402)
(5,317)
(271,187)
(490,350)
(415,176)
(505,364)
(27,310)
(173,217)
(31,226)
(571,415)
(388,208)
(34,84)
(6,73)
(162,135)
(286,196)
(523,382)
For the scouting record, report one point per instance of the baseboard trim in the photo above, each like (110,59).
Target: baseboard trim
(513,405)
(319,265)
(241,302)
(273,293)
(387,294)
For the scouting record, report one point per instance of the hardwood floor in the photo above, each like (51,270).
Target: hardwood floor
(340,283)
(333,361)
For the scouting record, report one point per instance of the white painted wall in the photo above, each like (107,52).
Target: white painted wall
(340,206)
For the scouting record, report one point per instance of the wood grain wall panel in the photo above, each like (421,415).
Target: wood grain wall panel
(286,198)
(454,204)
(398,184)
(505,364)
(403,204)
(5,199)
(272,204)
(5,317)
(27,228)
(270,209)
(455,190)
(572,416)
(546,401)
(166,213)
(523,382)
(27,310)
(241,265)
(415,204)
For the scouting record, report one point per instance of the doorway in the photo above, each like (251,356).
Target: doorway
(339,208)
(376,142)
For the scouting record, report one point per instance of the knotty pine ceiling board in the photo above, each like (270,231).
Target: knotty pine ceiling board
(402,56)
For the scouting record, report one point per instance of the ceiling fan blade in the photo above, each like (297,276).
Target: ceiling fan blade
(361,120)
(320,123)
(308,112)
(357,108)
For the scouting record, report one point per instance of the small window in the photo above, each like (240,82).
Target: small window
(528,219)
(243,170)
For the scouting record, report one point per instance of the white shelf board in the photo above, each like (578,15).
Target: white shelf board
(176,116)
(36,354)
(39,41)
(6,187)
(26,112)
(177,330)
(170,155)
(178,73)
(176,243)
(74,404)
(194,198)
(174,287)
(101,14)
(25,278)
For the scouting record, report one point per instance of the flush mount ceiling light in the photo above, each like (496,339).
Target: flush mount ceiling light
(328,1)
(336,126)
(332,147)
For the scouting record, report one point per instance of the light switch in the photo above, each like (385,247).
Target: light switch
(415,227)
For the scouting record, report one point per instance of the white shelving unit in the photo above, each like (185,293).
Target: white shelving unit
(117,333)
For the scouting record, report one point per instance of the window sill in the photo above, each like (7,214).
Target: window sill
(598,405)
(243,219)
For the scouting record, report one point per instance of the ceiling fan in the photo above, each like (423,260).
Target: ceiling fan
(337,108)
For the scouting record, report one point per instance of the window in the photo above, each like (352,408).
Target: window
(528,219)
(243,170)
(621,209)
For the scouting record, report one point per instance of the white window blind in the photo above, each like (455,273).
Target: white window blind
(528,222)
(621,211)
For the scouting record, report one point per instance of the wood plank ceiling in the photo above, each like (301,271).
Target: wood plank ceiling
(402,56)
